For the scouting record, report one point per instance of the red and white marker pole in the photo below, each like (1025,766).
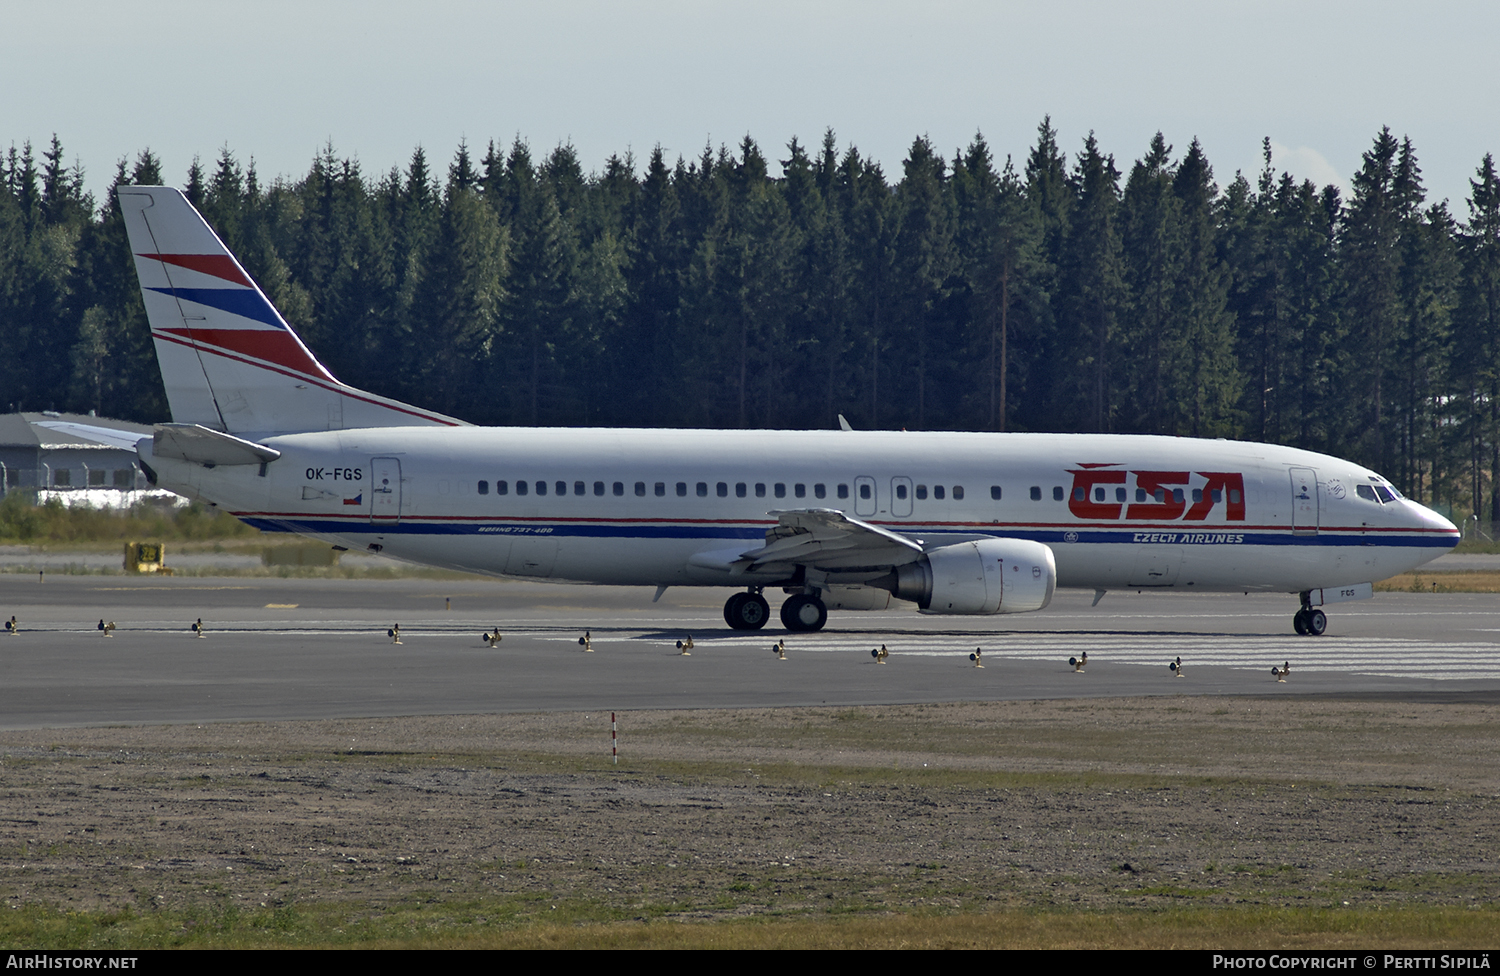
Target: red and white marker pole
(614,739)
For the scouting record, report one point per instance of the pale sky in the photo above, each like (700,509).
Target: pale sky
(276,80)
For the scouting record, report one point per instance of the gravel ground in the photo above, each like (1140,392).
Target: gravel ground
(1097,804)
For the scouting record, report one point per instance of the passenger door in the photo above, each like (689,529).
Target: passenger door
(385,490)
(1304,501)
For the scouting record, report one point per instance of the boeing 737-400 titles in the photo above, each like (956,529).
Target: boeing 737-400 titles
(957,523)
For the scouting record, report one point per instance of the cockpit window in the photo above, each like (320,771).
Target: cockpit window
(1386,494)
(1366,492)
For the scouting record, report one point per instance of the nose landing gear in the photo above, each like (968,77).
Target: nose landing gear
(1310,622)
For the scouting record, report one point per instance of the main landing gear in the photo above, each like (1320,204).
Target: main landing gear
(802,612)
(1310,622)
(747,611)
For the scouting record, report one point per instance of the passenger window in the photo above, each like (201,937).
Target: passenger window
(1197,494)
(1161,495)
(739,489)
(598,487)
(640,489)
(541,487)
(1078,494)
(1234,496)
(682,489)
(1098,494)
(780,490)
(579,488)
(843,491)
(562,487)
(800,491)
(901,491)
(1177,495)
(921,492)
(521,487)
(1119,494)
(619,488)
(702,489)
(937,492)
(661,489)
(1036,493)
(502,487)
(1140,494)
(958,493)
(820,491)
(760,489)
(864,492)
(1217,495)
(484,487)
(722,489)
(1057,493)
(995,492)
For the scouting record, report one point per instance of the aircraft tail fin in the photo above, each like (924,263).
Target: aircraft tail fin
(228,359)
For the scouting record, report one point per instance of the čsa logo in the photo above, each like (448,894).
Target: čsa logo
(1099,493)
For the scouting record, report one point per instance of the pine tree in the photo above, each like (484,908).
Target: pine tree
(1477,333)
(1151,239)
(1205,381)
(1091,288)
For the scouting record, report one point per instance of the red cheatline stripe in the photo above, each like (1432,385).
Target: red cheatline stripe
(218,265)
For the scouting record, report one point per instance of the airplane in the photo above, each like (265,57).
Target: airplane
(957,523)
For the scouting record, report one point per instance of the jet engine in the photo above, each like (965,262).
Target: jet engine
(983,576)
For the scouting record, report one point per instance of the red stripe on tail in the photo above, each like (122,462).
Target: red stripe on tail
(218,265)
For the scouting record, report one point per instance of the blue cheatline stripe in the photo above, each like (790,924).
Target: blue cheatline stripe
(236,301)
(1058,538)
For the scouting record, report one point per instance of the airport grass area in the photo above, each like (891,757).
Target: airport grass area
(54,524)
(562,924)
(1174,822)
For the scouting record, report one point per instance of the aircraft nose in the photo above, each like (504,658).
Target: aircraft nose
(1433,524)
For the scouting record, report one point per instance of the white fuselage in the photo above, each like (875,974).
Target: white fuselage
(650,506)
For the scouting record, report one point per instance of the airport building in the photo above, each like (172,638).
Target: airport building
(43,457)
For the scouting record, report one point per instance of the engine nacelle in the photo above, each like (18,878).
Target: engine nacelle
(986,576)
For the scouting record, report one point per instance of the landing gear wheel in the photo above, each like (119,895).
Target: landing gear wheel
(747,611)
(1299,622)
(1317,623)
(803,613)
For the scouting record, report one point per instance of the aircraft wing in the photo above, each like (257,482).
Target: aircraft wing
(825,538)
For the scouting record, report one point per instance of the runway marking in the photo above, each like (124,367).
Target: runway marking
(1378,656)
(1383,657)
(281,606)
(111,589)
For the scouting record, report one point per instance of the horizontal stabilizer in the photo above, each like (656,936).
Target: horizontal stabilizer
(111,436)
(191,442)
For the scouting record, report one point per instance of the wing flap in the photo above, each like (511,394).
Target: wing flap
(826,537)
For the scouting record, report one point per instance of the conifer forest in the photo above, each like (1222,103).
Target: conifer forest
(1056,290)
